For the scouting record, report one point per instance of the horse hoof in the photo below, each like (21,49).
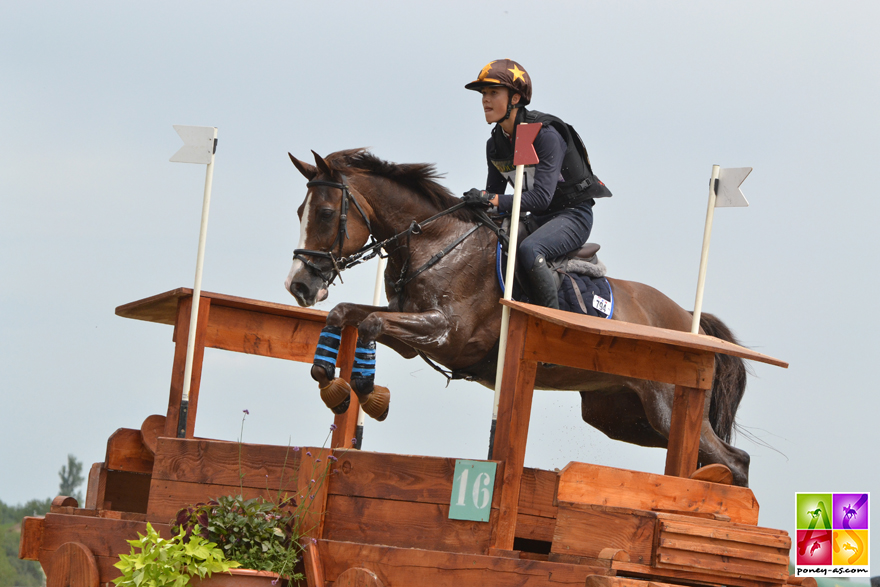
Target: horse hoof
(376,404)
(337,395)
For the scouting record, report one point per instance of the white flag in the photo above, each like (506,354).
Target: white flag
(198,144)
(728,193)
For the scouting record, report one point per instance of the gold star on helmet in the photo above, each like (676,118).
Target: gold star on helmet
(517,73)
(485,71)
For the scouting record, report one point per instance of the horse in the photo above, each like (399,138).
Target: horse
(443,304)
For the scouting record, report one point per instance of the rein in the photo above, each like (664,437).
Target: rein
(373,248)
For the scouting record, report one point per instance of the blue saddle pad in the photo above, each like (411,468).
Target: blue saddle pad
(592,297)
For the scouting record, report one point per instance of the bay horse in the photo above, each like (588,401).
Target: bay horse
(443,298)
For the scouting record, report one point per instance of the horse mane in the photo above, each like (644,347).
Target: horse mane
(418,177)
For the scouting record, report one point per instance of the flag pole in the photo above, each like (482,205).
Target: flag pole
(197,290)
(524,154)
(704,255)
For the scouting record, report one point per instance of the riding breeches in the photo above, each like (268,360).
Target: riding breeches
(556,235)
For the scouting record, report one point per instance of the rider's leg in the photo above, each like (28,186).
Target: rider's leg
(557,235)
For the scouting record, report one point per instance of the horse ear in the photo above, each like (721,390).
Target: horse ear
(322,165)
(308,171)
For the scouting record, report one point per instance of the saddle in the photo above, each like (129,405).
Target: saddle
(580,277)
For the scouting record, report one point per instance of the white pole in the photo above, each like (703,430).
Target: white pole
(197,290)
(508,294)
(704,256)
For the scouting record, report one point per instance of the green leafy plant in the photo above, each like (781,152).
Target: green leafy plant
(157,562)
(260,534)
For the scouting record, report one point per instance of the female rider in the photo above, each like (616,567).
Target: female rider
(559,191)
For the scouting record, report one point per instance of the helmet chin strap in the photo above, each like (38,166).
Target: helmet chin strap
(509,110)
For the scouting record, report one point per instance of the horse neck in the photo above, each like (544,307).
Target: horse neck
(392,207)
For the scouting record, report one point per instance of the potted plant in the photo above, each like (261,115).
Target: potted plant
(253,539)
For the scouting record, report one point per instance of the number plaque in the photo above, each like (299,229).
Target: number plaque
(472,486)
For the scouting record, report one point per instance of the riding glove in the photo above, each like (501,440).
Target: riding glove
(475,197)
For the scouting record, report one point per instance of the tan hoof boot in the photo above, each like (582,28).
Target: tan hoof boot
(337,395)
(375,403)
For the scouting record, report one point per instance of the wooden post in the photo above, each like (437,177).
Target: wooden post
(346,424)
(684,431)
(512,432)
(181,334)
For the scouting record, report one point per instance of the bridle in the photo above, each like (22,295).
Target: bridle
(374,248)
(339,262)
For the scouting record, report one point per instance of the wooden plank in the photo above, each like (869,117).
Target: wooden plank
(720,533)
(168,497)
(72,565)
(629,357)
(535,527)
(102,536)
(689,576)
(588,530)
(312,487)
(619,330)
(403,524)
(409,566)
(682,455)
(586,483)
(346,424)
(723,565)
(127,492)
(180,337)
(221,463)
(126,452)
(607,581)
(31,540)
(162,308)
(537,492)
(398,477)
(722,549)
(313,566)
(511,434)
(95,486)
(257,333)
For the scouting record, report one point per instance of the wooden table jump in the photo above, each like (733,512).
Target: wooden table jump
(543,335)
(245,326)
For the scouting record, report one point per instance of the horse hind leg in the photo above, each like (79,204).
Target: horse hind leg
(657,403)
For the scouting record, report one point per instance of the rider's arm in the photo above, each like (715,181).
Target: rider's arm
(495,182)
(550,147)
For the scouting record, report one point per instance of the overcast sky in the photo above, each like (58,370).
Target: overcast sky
(92,214)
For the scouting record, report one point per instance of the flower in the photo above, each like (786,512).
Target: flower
(296,449)
(331,458)
(308,453)
(317,460)
(247,412)
(354,440)
(332,426)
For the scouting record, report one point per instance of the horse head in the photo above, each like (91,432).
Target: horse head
(330,230)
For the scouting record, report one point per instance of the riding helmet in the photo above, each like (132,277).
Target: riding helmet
(507,73)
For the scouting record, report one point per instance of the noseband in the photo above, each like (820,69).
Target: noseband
(340,263)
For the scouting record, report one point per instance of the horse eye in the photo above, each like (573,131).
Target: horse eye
(326,213)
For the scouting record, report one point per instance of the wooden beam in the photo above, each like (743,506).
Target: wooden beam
(31,538)
(628,357)
(314,566)
(586,483)
(511,434)
(346,424)
(688,405)
(181,334)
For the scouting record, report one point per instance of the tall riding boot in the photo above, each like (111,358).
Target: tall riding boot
(543,284)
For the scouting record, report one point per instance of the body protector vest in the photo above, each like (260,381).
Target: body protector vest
(577,184)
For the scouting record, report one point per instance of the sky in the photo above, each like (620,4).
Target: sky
(93,215)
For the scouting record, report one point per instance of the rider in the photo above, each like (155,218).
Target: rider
(559,191)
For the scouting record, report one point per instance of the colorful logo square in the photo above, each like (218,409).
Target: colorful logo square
(832,534)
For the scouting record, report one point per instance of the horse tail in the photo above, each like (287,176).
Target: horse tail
(729,384)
